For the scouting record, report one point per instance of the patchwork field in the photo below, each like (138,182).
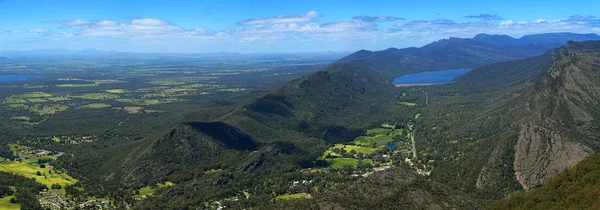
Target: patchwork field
(97,106)
(358,151)
(28,169)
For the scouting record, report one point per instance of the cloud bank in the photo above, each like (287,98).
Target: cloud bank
(309,16)
(289,32)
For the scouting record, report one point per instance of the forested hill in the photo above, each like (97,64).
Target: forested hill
(463,53)
(397,188)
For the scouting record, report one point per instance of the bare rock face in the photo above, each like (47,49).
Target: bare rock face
(557,134)
(541,154)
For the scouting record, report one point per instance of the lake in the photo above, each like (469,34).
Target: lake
(430,77)
(13,78)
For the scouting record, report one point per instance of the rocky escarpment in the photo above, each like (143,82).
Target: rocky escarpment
(558,130)
(551,125)
(541,154)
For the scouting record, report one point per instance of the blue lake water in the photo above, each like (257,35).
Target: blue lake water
(430,77)
(13,78)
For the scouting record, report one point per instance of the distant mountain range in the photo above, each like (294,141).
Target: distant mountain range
(455,53)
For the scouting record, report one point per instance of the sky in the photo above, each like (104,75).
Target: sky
(274,26)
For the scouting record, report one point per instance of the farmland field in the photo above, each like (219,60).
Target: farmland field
(95,109)
(6,205)
(27,169)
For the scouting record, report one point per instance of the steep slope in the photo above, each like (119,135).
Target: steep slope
(325,104)
(396,188)
(561,127)
(575,188)
(463,53)
(533,119)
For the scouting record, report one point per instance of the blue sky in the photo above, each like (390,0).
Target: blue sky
(274,25)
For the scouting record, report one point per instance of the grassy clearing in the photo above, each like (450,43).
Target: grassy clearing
(76,85)
(133,109)
(410,104)
(6,205)
(58,98)
(21,118)
(47,109)
(293,196)
(365,141)
(97,96)
(97,106)
(212,171)
(92,83)
(27,97)
(16,147)
(378,131)
(342,162)
(142,102)
(417,115)
(150,190)
(35,95)
(36,100)
(348,148)
(117,91)
(26,169)
(377,137)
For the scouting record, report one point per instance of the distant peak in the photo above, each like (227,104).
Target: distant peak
(480,36)
(391,49)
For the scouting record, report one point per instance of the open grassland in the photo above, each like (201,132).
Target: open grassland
(346,162)
(6,205)
(403,103)
(47,109)
(348,148)
(97,96)
(377,137)
(90,83)
(150,190)
(116,91)
(27,169)
(16,147)
(294,196)
(97,106)
(378,131)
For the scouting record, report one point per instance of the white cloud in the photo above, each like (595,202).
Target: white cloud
(309,16)
(79,22)
(376,18)
(507,23)
(298,29)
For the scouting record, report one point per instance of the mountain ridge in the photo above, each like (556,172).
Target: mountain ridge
(455,53)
